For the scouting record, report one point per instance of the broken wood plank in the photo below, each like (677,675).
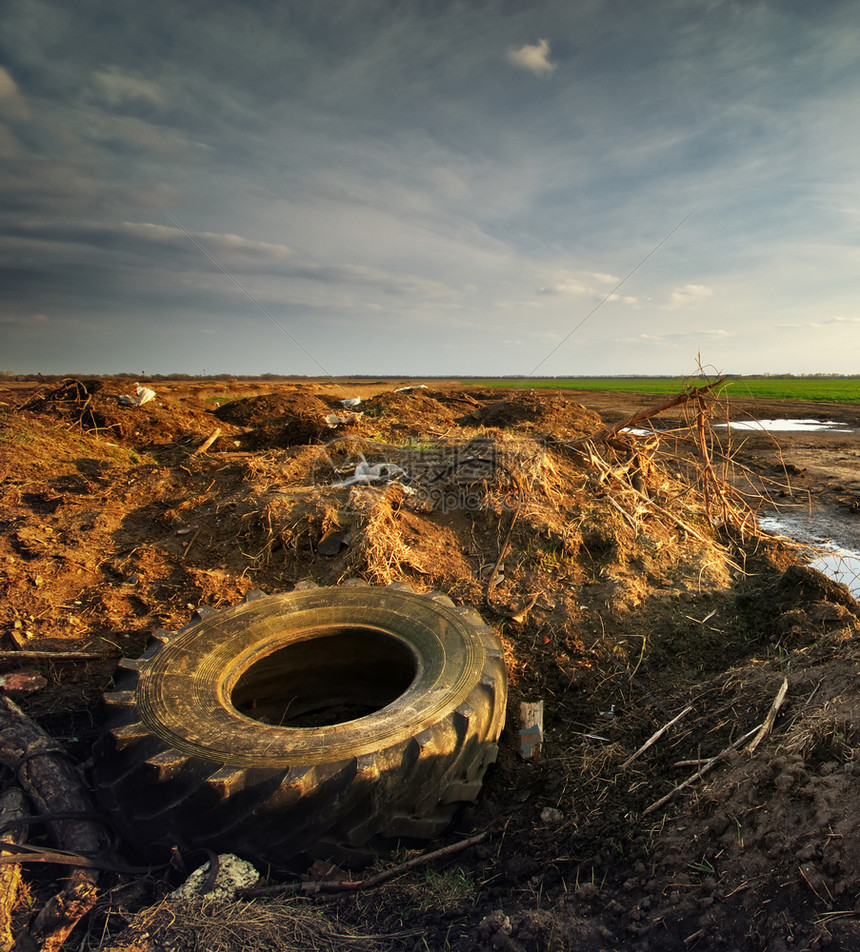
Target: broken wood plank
(53,786)
(531,729)
(22,682)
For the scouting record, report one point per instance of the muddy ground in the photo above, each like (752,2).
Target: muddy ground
(635,587)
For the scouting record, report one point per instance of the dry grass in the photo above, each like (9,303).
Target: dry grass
(827,730)
(660,488)
(607,497)
(379,553)
(252,926)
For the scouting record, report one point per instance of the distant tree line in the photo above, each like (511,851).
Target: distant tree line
(152,378)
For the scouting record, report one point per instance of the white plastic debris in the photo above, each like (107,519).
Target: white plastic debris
(351,401)
(143,395)
(420,386)
(336,419)
(367,473)
(233,873)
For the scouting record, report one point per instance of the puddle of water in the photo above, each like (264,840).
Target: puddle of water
(836,562)
(842,566)
(786,426)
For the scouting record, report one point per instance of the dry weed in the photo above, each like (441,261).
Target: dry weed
(379,552)
(253,926)
(828,730)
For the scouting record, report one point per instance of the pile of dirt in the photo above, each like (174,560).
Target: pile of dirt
(108,409)
(548,415)
(635,605)
(413,410)
(271,420)
(271,408)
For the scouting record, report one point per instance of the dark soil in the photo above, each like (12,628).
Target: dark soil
(635,589)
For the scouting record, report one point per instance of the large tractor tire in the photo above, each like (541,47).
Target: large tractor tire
(318,723)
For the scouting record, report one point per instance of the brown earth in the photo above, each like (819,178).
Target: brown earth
(635,586)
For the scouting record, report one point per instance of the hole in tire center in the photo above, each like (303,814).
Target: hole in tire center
(332,676)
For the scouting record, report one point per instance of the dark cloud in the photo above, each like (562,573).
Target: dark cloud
(426,168)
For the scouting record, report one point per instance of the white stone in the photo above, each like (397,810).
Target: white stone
(233,873)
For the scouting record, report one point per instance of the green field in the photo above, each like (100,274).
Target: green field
(832,389)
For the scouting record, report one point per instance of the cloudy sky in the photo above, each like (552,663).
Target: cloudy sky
(415,187)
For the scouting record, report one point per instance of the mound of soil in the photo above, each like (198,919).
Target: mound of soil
(108,409)
(271,408)
(415,410)
(549,415)
(277,419)
(667,810)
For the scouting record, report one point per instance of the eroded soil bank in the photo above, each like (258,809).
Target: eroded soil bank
(634,589)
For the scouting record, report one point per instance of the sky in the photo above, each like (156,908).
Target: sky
(430,187)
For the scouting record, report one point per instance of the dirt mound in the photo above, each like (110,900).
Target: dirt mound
(109,409)
(463,402)
(414,410)
(273,408)
(279,419)
(548,415)
(418,410)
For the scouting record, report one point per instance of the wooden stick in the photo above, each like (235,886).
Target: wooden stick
(710,764)
(809,883)
(207,442)
(190,542)
(25,853)
(682,525)
(703,452)
(50,655)
(623,512)
(771,717)
(655,737)
(334,885)
(606,471)
(502,552)
(675,401)
(55,858)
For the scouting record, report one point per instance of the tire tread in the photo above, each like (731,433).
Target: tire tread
(161,797)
